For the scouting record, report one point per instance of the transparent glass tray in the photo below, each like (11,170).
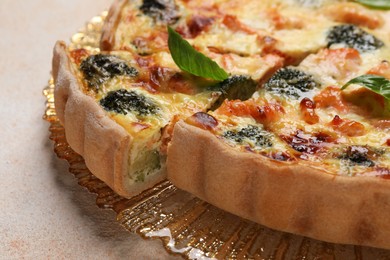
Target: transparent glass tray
(185,224)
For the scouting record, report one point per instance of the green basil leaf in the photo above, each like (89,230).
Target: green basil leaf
(376,4)
(190,60)
(377,84)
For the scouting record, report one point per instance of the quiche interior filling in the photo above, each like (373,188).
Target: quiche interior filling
(283,99)
(312,120)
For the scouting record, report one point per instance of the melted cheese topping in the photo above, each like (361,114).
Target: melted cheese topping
(353,146)
(253,28)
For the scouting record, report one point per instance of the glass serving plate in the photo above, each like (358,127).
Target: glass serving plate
(185,224)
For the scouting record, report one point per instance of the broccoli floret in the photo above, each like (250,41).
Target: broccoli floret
(147,162)
(358,155)
(251,133)
(290,82)
(353,37)
(235,87)
(98,69)
(123,101)
(161,10)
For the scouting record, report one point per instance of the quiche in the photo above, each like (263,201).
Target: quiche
(278,141)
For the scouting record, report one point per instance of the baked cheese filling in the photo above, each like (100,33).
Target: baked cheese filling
(231,28)
(148,94)
(269,105)
(301,115)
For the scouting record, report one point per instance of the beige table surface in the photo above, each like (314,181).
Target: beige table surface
(44,214)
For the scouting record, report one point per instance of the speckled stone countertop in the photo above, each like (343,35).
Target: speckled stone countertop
(44,213)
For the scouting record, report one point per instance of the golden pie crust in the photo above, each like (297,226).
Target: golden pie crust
(288,196)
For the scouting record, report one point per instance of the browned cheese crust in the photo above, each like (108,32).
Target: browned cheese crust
(292,197)
(90,132)
(107,40)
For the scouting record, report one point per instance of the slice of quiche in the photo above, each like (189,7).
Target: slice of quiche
(301,155)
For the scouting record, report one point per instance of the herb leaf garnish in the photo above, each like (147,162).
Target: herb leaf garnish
(190,60)
(377,84)
(376,4)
